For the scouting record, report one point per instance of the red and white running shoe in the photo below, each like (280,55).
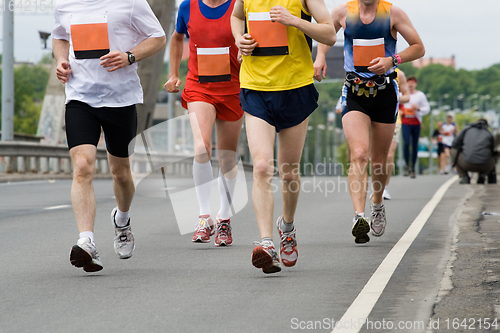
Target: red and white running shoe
(288,245)
(224,237)
(264,256)
(204,229)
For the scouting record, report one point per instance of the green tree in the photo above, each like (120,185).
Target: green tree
(29,89)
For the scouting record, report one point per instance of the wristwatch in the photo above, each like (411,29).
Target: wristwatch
(395,60)
(131,57)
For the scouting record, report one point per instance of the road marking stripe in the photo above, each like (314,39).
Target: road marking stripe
(57,207)
(368,297)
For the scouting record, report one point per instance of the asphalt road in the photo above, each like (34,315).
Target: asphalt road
(173,285)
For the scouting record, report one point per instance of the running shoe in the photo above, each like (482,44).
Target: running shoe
(264,256)
(288,245)
(412,173)
(378,221)
(204,229)
(386,194)
(224,237)
(360,230)
(84,254)
(124,238)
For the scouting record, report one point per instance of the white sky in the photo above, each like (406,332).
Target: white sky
(464,28)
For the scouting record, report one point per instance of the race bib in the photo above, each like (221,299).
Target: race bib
(89,35)
(365,50)
(214,64)
(409,112)
(272,37)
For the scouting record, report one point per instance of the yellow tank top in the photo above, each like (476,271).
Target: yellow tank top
(282,60)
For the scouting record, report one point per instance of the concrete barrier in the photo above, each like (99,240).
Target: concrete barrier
(22,158)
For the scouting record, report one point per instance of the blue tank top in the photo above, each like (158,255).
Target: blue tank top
(365,42)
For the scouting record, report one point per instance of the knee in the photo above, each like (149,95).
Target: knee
(227,161)
(262,170)
(359,156)
(203,150)
(83,168)
(289,177)
(121,174)
(390,156)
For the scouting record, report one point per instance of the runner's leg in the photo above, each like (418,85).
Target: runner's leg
(381,134)
(228,134)
(82,192)
(261,136)
(357,132)
(290,146)
(202,117)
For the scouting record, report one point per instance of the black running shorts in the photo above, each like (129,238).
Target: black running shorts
(84,123)
(383,108)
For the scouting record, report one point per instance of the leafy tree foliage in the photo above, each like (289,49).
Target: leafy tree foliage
(29,89)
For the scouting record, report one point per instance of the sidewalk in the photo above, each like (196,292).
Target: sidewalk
(469,298)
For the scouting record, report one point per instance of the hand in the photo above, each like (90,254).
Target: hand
(380,65)
(246,44)
(173,84)
(115,59)
(239,57)
(415,107)
(320,68)
(63,71)
(282,15)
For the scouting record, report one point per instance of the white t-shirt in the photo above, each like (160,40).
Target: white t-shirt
(449,134)
(420,100)
(128,23)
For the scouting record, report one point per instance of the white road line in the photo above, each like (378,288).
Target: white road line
(360,309)
(57,207)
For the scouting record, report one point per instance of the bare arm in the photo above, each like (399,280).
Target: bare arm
(322,32)
(176,47)
(400,23)
(60,48)
(403,25)
(403,88)
(338,16)
(143,50)
(243,41)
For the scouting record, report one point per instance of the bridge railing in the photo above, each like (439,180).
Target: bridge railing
(27,157)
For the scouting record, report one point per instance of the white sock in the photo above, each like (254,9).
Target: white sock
(356,214)
(121,218)
(268,240)
(286,227)
(226,197)
(88,234)
(203,176)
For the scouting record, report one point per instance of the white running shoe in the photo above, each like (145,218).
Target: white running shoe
(378,221)
(124,238)
(84,254)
